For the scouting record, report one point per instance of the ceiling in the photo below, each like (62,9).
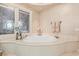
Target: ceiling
(39,7)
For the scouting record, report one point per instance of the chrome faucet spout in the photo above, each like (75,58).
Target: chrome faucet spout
(18,36)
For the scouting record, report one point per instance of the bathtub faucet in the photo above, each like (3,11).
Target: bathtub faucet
(18,36)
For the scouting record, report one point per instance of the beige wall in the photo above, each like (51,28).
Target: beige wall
(67,13)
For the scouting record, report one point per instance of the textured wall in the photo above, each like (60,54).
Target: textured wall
(67,13)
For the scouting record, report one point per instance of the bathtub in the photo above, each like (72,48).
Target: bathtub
(39,45)
(40,38)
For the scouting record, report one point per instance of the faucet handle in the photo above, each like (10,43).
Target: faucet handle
(20,34)
(17,36)
(56,36)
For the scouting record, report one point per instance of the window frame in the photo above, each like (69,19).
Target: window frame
(20,10)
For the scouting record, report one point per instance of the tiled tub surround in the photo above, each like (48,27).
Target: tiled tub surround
(65,44)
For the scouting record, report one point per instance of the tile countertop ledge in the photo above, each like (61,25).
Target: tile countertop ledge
(59,41)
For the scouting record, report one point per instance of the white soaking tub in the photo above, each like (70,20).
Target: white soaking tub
(38,46)
(40,38)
